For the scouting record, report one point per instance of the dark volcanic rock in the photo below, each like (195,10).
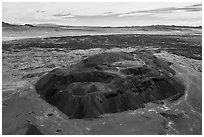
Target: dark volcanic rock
(109,83)
(33,130)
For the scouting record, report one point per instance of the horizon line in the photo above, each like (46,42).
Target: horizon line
(172,25)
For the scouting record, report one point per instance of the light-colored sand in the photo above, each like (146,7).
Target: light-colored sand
(191,76)
(192,63)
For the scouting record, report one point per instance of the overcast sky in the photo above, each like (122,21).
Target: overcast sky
(103,14)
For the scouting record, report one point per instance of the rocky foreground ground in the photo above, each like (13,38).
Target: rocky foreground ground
(104,84)
(28,110)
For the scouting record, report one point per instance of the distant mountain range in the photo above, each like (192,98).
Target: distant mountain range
(47,25)
(4,24)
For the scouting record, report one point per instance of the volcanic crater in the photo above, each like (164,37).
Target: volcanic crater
(110,82)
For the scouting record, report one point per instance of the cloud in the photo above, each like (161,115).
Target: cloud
(197,5)
(108,13)
(62,15)
(65,16)
(191,8)
(40,11)
(103,13)
(155,11)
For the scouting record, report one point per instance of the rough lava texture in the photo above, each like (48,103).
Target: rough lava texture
(110,82)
